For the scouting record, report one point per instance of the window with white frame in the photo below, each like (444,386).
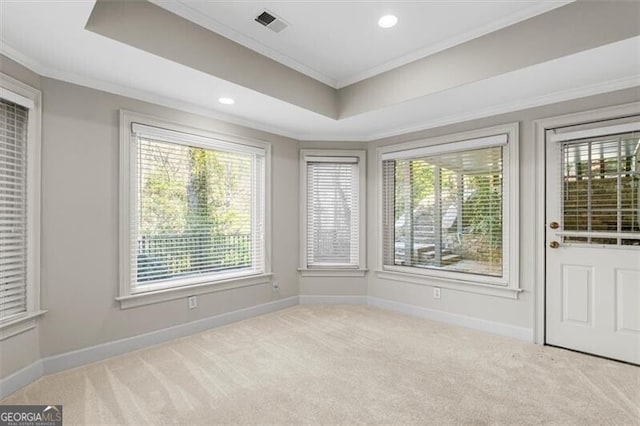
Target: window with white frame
(449,210)
(19,203)
(332,216)
(196,208)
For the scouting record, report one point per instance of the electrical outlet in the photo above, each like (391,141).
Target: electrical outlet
(192,301)
(276,285)
(436,292)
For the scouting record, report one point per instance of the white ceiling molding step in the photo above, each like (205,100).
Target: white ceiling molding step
(63,49)
(184,42)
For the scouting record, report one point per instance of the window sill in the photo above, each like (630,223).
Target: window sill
(165,295)
(460,285)
(19,325)
(333,272)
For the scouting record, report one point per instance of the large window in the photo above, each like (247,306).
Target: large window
(333,192)
(19,206)
(13,205)
(196,209)
(446,210)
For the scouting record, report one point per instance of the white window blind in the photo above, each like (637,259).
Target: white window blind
(198,212)
(444,210)
(13,209)
(332,211)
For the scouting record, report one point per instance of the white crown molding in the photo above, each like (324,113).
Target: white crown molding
(182,9)
(551,98)
(185,11)
(141,95)
(505,108)
(519,16)
(21,58)
(548,99)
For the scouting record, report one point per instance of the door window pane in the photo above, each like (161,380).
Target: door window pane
(600,189)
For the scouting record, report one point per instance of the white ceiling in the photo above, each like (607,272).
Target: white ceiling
(340,43)
(61,48)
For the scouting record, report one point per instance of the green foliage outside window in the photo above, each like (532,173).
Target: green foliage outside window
(470,215)
(194,210)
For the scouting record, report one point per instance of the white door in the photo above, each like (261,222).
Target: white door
(593,241)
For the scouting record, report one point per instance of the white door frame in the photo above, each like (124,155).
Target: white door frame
(541,127)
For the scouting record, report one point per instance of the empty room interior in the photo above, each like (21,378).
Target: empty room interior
(319,212)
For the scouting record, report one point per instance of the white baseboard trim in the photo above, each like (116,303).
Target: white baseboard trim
(57,363)
(492,327)
(332,300)
(20,379)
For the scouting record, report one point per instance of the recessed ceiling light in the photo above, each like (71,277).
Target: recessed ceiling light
(226,101)
(387,21)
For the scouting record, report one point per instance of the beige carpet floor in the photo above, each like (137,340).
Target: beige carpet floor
(347,365)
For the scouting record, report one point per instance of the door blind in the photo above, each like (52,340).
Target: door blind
(13,209)
(197,212)
(601,190)
(332,212)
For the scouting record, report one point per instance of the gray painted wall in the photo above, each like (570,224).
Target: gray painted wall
(80,226)
(342,286)
(507,311)
(24,349)
(512,312)
(80,210)
(80,222)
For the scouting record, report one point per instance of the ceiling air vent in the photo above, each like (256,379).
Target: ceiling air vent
(271,21)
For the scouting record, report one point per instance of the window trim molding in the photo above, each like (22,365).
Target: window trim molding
(172,293)
(20,324)
(508,286)
(339,271)
(454,284)
(31,98)
(125,297)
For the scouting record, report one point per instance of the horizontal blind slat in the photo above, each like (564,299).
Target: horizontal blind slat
(444,211)
(332,213)
(198,211)
(13,195)
(7,313)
